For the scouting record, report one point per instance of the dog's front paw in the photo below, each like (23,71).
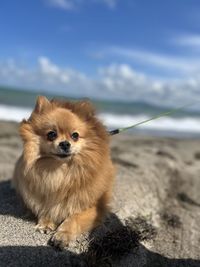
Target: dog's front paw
(60,239)
(45,227)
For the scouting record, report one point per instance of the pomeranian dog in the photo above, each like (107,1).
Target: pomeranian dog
(65,173)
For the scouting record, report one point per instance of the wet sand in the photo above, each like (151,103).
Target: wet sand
(155,210)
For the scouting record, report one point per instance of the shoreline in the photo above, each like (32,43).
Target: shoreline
(156,133)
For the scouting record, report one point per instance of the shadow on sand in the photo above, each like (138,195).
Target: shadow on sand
(112,244)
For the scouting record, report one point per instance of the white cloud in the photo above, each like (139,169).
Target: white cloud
(46,75)
(109,3)
(116,81)
(138,86)
(188,40)
(72,4)
(165,62)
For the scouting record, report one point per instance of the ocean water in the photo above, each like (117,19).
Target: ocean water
(17,104)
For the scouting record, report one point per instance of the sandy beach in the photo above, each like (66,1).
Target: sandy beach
(155,218)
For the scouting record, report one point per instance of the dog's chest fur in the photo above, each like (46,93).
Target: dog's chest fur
(55,191)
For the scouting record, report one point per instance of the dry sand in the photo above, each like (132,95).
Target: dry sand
(156,209)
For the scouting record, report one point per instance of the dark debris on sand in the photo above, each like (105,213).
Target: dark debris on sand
(172,220)
(114,244)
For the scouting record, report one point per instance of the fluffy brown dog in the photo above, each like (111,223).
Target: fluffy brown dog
(65,173)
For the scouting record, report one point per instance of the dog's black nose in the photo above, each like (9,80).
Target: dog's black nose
(65,145)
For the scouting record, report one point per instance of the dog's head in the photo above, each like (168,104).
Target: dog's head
(63,130)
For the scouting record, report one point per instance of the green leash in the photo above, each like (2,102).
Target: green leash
(163,114)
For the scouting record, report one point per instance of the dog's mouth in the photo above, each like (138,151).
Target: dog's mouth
(62,155)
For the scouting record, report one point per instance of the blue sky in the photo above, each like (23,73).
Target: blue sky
(143,49)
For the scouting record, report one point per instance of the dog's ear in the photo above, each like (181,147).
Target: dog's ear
(85,108)
(41,104)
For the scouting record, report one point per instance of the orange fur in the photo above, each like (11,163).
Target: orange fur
(71,194)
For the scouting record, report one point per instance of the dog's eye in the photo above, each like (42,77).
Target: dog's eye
(52,135)
(75,136)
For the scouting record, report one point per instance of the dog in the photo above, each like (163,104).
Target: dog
(65,174)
